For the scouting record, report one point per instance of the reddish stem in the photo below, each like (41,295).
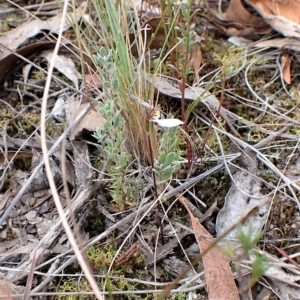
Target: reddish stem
(181,84)
(201,151)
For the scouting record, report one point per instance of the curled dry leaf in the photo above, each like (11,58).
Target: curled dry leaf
(196,60)
(13,39)
(283,16)
(281,43)
(64,65)
(237,21)
(59,109)
(12,62)
(154,32)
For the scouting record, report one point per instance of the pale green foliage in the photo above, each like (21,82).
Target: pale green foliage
(259,267)
(112,137)
(125,187)
(248,241)
(164,167)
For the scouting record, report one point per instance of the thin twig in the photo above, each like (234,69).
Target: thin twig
(56,198)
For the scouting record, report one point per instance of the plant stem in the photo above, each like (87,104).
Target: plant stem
(155,191)
(152,166)
(185,125)
(200,153)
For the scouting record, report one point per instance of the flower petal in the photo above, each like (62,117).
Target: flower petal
(168,122)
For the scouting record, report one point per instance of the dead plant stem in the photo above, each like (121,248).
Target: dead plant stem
(56,198)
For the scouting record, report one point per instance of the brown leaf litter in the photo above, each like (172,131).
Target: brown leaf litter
(33,225)
(218,275)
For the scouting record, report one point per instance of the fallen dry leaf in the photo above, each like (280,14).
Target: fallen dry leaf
(90,122)
(155,34)
(196,60)
(14,154)
(190,94)
(239,203)
(281,43)
(283,16)
(219,280)
(13,39)
(237,21)
(12,62)
(237,12)
(64,65)
(286,67)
